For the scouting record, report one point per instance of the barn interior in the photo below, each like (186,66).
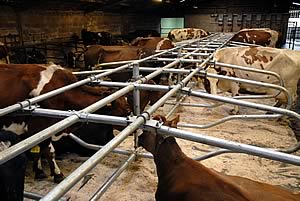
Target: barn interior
(28,24)
(45,31)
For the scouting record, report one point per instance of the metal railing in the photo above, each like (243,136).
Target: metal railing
(142,119)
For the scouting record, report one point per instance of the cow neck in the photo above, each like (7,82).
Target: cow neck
(167,155)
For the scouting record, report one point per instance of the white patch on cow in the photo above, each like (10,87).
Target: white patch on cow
(52,150)
(240,36)
(213,81)
(55,138)
(7,60)
(274,38)
(45,78)
(247,36)
(17,128)
(160,43)
(254,42)
(4,145)
(39,165)
(254,36)
(56,168)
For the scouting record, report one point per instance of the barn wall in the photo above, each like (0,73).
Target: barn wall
(38,24)
(233,15)
(234,22)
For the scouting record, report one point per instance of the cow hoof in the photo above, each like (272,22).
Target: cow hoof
(40,175)
(58,178)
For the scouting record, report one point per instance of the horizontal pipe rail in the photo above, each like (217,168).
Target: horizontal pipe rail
(262,84)
(235,146)
(251,70)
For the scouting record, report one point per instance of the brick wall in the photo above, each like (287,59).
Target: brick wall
(45,24)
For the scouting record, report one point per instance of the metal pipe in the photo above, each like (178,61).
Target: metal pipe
(175,106)
(97,147)
(181,60)
(229,118)
(244,103)
(114,63)
(262,84)
(28,143)
(136,91)
(225,151)
(235,146)
(76,175)
(35,196)
(245,68)
(193,54)
(42,97)
(244,44)
(214,153)
(98,194)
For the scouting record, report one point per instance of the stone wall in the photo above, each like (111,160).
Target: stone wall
(34,25)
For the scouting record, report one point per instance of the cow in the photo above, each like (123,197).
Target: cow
(281,61)
(139,33)
(258,36)
(12,172)
(92,133)
(96,54)
(36,57)
(177,35)
(4,58)
(180,178)
(155,43)
(32,80)
(92,38)
(146,97)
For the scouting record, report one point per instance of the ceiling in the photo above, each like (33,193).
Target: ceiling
(147,6)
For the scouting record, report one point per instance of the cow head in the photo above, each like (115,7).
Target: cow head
(151,141)
(120,107)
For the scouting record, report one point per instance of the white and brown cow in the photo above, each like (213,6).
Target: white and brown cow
(284,62)
(258,36)
(177,35)
(22,81)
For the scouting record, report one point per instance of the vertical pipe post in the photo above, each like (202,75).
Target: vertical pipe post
(136,100)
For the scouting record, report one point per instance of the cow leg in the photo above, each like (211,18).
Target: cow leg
(235,87)
(39,173)
(54,169)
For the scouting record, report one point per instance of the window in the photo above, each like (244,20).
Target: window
(167,24)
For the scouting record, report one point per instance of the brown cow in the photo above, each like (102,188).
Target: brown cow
(146,97)
(182,179)
(258,36)
(155,43)
(96,54)
(32,80)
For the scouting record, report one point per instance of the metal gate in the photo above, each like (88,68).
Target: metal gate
(201,52)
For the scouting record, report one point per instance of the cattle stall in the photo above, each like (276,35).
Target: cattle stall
(142,119)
